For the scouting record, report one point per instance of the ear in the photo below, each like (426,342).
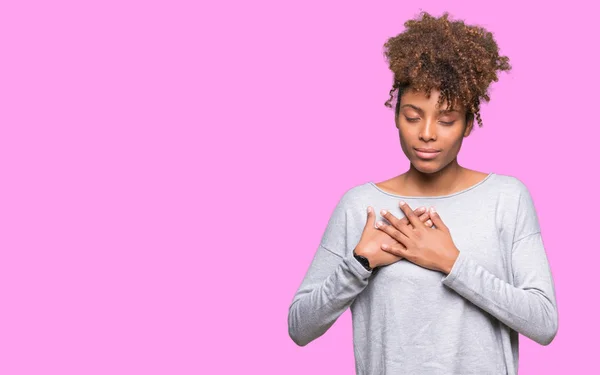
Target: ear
(469,127)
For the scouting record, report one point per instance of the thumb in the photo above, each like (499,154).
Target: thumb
(437,220)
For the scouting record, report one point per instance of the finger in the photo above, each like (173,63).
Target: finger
(425,218)
(412,218)
(422,211)
(391,231)
(437,220)
(397,223)
(397,250)
(370,218)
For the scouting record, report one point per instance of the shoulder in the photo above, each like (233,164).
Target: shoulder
(515,196)
(343,219)
(352,200)
(355,195)
(510,185)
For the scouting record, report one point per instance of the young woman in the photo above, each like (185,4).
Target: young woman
(453,269)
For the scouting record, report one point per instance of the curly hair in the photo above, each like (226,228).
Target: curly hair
(459,60)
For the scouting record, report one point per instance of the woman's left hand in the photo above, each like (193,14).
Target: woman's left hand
(431,248)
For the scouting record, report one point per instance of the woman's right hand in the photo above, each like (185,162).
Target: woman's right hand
(372,238)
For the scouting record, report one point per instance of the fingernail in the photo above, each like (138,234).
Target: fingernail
(383,212)
(369,209)
(378,224)
(432,209)
(402,203)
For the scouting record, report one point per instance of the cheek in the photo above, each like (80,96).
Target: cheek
(405,137)
(452,137)
(403,143)
(455,145)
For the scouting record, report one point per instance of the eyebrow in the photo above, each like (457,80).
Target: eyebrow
(443,111)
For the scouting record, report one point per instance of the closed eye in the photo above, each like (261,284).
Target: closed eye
(415,119)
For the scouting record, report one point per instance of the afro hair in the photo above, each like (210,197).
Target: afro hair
(459,60)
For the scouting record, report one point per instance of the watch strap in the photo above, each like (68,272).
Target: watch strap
(362,260)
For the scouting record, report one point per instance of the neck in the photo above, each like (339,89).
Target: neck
(443,182)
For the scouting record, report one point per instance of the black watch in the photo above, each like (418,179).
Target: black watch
(362,260)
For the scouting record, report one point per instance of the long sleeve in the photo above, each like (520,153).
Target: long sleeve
(332,282)
(528,305)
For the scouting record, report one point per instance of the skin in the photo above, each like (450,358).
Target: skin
(422,123)
(429,128)
(372,238)
(431,248)
(410,239)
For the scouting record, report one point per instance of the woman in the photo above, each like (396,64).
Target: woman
(448,288)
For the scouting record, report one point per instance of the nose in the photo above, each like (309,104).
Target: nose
(428,132)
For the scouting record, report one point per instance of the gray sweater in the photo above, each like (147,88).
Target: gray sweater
(408,319)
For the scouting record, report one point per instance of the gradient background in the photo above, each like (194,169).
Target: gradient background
(168,169)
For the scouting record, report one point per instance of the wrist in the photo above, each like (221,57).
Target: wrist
(363,259)
(451,261)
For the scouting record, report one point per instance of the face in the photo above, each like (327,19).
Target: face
(430,136)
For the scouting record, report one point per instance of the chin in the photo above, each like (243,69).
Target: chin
(426,166)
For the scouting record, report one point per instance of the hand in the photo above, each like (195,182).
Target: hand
(371,240)
(427,247)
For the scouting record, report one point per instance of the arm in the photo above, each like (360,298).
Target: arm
(330,285)
(528,306)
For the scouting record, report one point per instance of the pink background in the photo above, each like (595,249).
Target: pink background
(168,169)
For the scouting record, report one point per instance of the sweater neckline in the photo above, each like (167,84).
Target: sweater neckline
(432,196)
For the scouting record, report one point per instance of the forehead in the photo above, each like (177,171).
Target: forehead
(419,99)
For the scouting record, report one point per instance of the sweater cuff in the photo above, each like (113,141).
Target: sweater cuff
(456,268)
(357,268)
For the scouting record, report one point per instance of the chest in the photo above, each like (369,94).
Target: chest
(474,228)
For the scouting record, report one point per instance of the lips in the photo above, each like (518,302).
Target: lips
(427,153)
